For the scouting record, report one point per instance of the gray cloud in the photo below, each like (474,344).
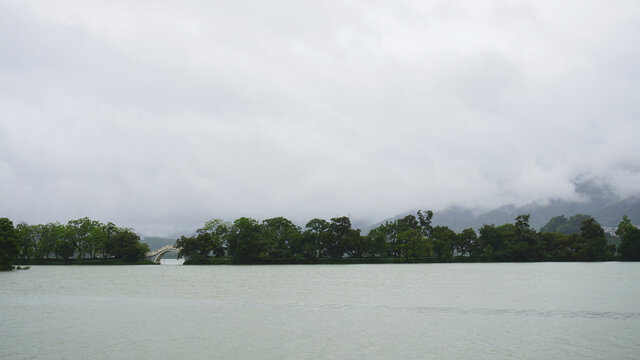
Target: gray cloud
(162,114)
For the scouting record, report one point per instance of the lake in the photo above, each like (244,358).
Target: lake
(386,311)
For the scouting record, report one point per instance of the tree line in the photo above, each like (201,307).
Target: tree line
(408,239)
(278,240)
(78,239)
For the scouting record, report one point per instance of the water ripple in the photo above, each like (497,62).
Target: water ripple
(614,315)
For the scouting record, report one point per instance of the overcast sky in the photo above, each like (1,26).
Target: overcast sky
(160,115)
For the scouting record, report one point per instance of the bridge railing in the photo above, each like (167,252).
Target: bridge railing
(164,248)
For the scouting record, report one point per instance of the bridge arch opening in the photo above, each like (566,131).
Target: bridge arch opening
(170,255)
(161,255)
(165,252)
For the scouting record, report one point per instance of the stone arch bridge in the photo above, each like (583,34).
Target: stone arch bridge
(157,255)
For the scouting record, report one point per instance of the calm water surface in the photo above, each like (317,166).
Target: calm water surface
(452,311)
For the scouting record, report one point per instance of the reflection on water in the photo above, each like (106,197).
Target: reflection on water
(164,261)
(394,311)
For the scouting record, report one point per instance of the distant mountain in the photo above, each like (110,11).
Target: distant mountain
(597,200)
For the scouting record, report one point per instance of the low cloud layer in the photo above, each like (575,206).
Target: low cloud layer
(160,115)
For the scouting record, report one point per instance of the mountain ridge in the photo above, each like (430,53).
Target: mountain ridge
(594,199)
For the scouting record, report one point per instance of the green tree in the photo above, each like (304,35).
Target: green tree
(408,222)
(97,238)
(308,247)
(466,242)
(339,230)
(525,244)
(491,243)
(48,239)
(8,245)
(443,240)
(377,243)
(356,245)
(629,240)
(572,247)
(424,218)
(314,237)
(209,240)
(406,225)
(550,245)
(27,238)
(79,230)
(127,246)
(385,238)
(596,242)
(111,246)
(195,247)
(246,242)
(413,244)
(64,247)
(624,226)
(217,230)
(282,237)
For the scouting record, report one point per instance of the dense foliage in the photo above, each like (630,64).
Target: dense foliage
(79,239)
(278,240)
(629,240)
(8,245)
(408,239)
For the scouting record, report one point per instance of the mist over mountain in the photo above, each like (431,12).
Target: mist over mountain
(594,198)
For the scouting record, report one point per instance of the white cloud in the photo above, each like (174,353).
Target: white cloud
(160,114)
